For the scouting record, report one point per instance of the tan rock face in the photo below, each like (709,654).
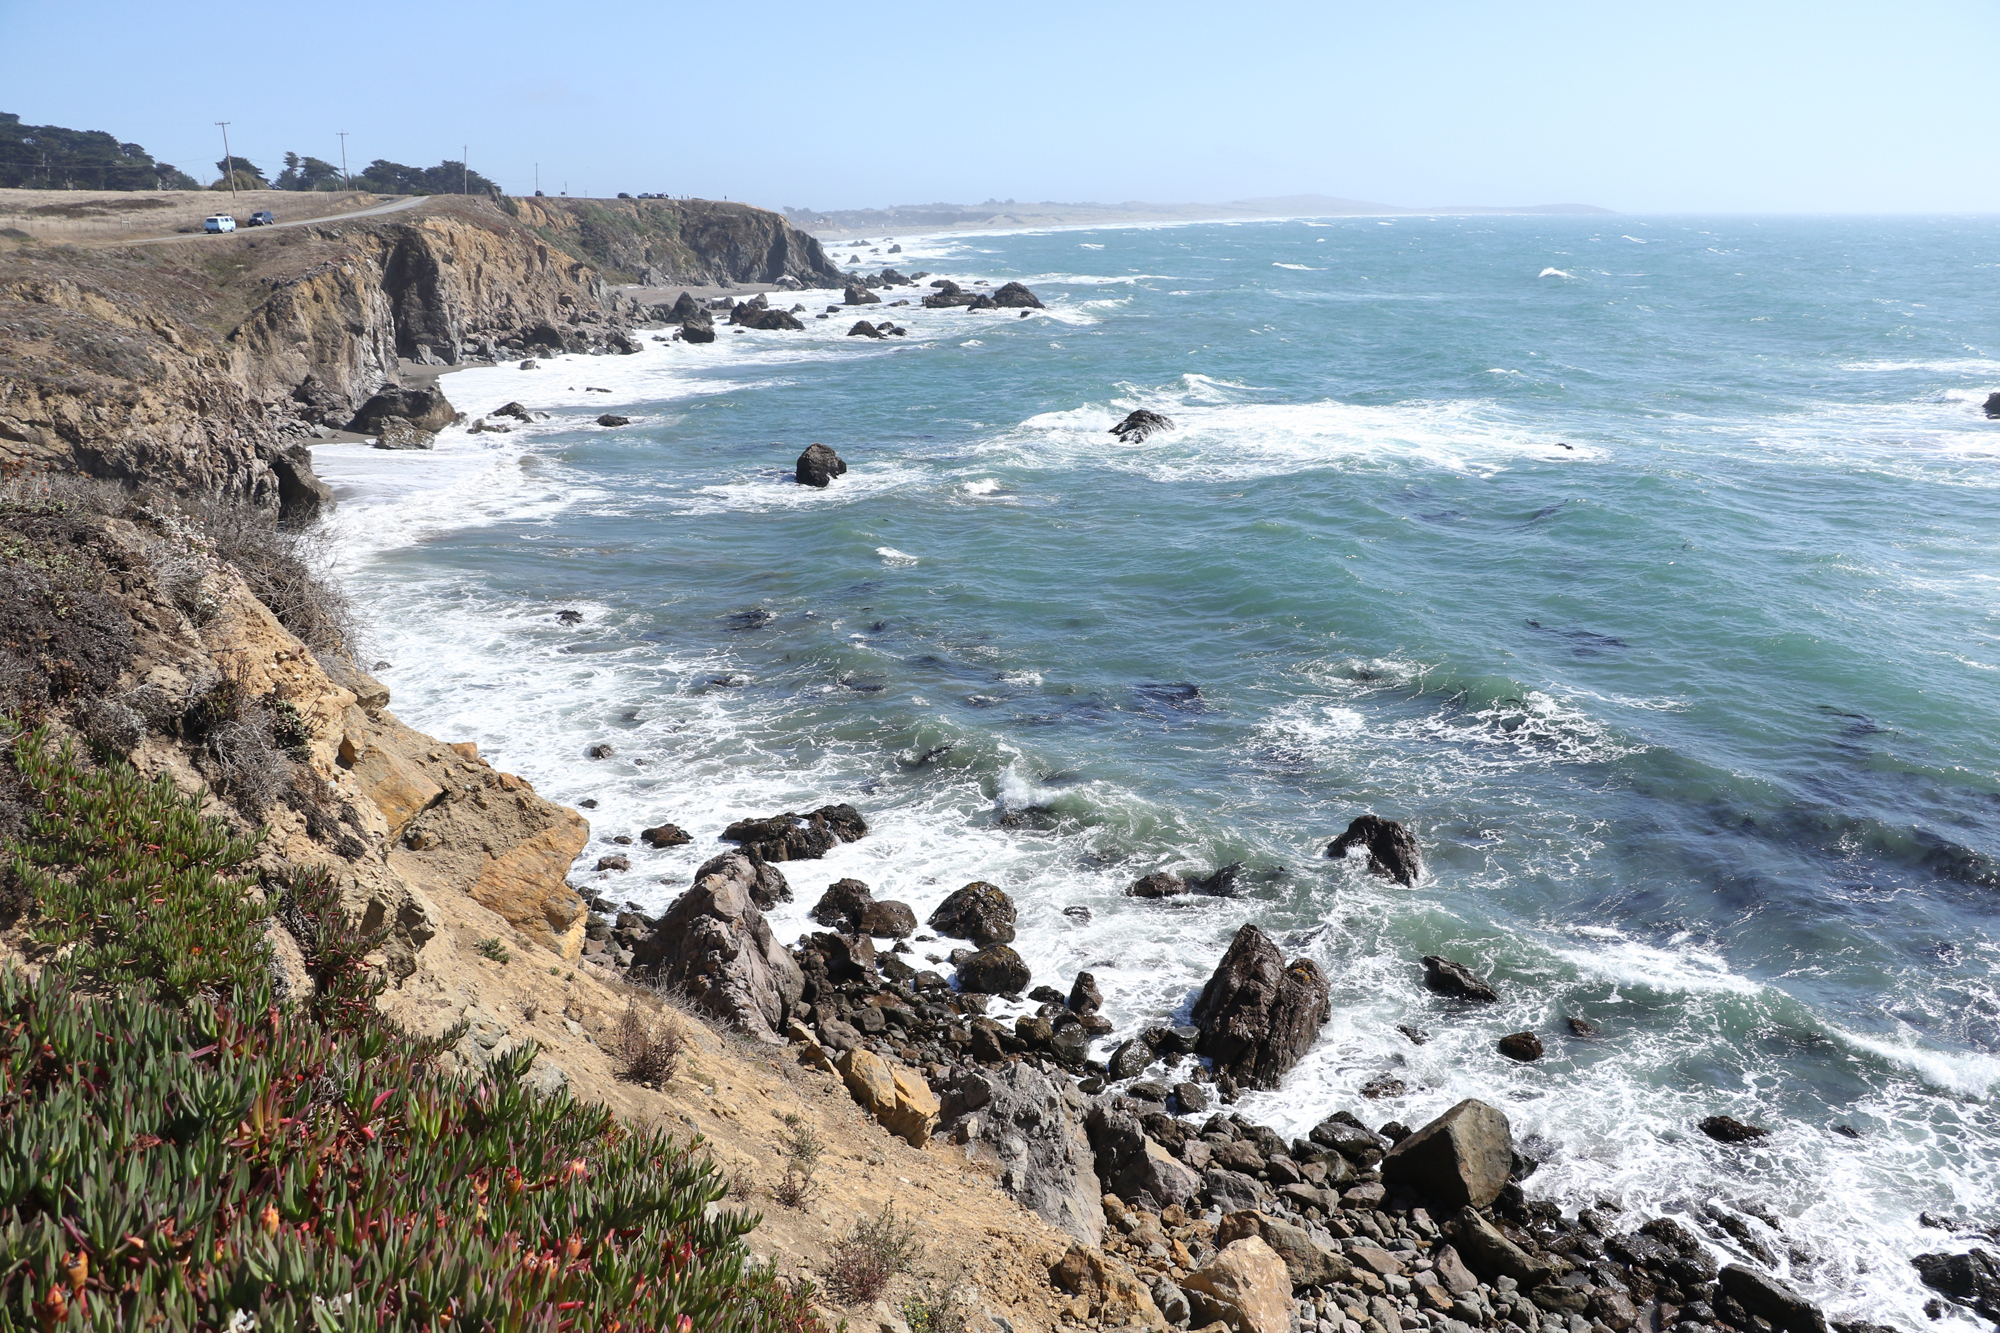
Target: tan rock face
(895,1096)
(1110,1291)
(1246,1287)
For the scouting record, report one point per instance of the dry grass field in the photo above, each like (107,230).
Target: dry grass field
(98,217)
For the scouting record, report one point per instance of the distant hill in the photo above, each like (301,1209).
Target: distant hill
(997,214)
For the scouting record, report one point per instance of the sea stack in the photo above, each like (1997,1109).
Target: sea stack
(819,465)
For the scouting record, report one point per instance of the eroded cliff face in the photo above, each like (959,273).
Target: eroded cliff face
(199,366)
(682,241)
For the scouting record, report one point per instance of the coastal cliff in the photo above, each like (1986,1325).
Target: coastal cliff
(200,368)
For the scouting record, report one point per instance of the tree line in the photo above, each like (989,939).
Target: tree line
(51,157)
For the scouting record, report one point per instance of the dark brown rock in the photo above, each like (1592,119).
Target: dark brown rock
(1993,406)
(1137,426)
(979,912)
(1763,1296)
(1457,981)
(425,409)
(1257,1014)
(1014,295)
(1461,1158)
(889,919)
(1523,1046)
(819,465)
(1084,997)
(1159,884)
(994,970)
(1725,1129)
(791,837)
(843,905)
(612,419)
(859,295)
(863,329)
(665,835)
(1392,850)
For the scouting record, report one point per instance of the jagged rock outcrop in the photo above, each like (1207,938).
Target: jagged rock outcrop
(1029,1128)
(1392,849)
(715,945)
(790,837)
(1015,296)
(1258,1015)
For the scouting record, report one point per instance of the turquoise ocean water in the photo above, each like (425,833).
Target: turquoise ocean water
(1645,567)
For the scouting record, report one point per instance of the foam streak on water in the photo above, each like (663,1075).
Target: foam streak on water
(1660,604)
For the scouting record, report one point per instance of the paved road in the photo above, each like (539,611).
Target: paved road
(393,206)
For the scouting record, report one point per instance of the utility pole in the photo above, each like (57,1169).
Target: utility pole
(538,178)
(345,178)
(464,167)
(228,162)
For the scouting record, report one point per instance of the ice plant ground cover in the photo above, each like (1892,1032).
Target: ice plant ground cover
(180,1148)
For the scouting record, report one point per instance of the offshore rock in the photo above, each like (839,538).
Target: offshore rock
(715,945)
(1392,849)
(1993,406)
(1013,294)
(791,837)
(1139,425)
(1257,1015)
(818,466)
(843,905)
(1159,884)
(1971,1279)
(1523,1046)
(1456,981)
(857,294)
(1461,1158)
(979,912)
(1726,1129)
(863,329)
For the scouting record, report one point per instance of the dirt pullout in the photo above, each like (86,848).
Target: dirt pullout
(115,217)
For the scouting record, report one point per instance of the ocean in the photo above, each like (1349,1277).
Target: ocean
(1645,568)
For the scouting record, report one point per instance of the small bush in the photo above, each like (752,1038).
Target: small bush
(935,1307)
(491,947)
(648,1050)
(287,568)
(802,1147)
(871,1254)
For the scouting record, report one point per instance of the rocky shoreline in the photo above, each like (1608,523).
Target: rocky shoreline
(1216,1220)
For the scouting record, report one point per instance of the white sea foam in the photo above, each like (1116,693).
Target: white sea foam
(891,556)
(1553,272)
(1308,268)
(984,486)
(1634,239)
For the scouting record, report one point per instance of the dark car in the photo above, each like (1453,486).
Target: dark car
(262,218)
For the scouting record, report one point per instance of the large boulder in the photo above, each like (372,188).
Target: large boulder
(686,309)
(898,1098)
(857,294)
(715,946)
(1131,1164)
(979,912)
(1113,1294)
(843,905)
(790,837)
(1246,1286)
(1993,406)
(761,318)
(1392,849)
(426,409)
(1257,1014)
(698,333)
(1029,1128)
(1159,884)
(1013,294)
(1310,1263)
(1456,981)
(1461,1158)
(888,919)
(863,329)
(1764,1297)
(994,970)
(948,294)
(1138,425)
(818,466)
(396,433)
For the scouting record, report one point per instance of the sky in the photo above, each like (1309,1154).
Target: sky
(1693,107)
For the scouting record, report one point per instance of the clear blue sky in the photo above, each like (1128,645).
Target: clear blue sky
(1686,107)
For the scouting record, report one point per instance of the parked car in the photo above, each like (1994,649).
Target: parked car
(262,218)
(220,222)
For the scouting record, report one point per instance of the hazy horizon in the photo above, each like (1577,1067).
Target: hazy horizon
(1780,108)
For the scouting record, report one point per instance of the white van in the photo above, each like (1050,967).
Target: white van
(220,222)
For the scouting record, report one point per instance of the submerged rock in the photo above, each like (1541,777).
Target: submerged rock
(1257,1014)
(1139,425)
(1392,850)
(1726,1129)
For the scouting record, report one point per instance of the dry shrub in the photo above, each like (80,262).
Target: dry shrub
(866,1258)
(936,1307)
(802,1147)
(648,1050)
(289,569)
